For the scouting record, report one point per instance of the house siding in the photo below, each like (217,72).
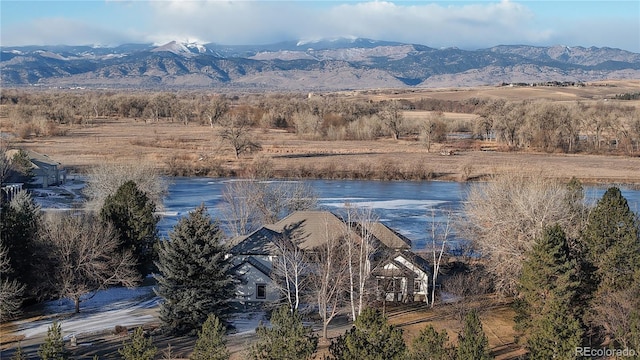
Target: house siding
(246,290)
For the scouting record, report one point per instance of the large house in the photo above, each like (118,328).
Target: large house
(401,275)
(46,171)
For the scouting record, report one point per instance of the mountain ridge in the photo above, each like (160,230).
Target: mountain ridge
(334,64)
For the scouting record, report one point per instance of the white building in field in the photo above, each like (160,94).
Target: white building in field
(401,275)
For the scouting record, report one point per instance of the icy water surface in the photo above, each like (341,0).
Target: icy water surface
(406,206)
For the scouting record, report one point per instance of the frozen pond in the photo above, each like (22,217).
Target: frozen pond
(406,206)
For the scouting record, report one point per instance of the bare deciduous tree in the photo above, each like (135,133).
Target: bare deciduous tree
(468,291)
(215,109)
(440,235)
(291,270)
(614,311)
(235,130)
(504,217)
(393,118)
(83,257)
(252,203)
(104,180)
(360,248)
(329,276)
(433,129)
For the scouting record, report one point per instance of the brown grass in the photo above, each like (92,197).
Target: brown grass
(197,150)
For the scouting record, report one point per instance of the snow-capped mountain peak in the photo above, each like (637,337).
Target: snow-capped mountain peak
(186,49)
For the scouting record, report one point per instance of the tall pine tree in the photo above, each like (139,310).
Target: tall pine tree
(194,278)
(53,346)
(431,345)
(132,214)
(139,347)
(20,221)
(612,237)
(556,333)
(613,241)
(548,288)
(549,274)
(472,342)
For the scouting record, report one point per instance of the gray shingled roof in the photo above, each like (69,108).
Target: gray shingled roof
(390,237)
(259,242)
(308,230)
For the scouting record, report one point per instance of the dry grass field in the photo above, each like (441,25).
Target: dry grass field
(198,148)
(163,144)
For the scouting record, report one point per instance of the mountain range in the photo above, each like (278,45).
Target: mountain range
(333,64)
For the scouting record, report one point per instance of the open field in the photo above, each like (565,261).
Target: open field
(164,144)
(593,91)
(196,149)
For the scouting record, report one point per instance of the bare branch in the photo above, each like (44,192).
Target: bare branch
(85,257)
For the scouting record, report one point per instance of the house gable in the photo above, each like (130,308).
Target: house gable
(256,284)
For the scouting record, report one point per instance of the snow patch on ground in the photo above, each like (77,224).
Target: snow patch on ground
(246,323)
(108,308)
(61,197)
(105,310)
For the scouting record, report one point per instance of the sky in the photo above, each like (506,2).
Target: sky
(464,24)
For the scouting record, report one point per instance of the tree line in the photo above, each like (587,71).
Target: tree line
(604,126)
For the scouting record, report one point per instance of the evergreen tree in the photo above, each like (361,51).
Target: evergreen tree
(472,342)
(194,278)
(613,241)
(21,164)
(53,346)
(612,237)
(20,221)
(548,288)
(10,290)
(548,275)
(556,334)
(371,338)
(211,343)
(634,333)
(287,339)
(431,345)
(132,214)
(139,347)
(19,354)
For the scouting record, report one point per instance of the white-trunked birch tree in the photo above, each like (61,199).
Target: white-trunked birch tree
(360,247)
(440,236)
(291,270)
(329,276)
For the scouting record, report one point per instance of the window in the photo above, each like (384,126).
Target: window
(261,291)
(417,285)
